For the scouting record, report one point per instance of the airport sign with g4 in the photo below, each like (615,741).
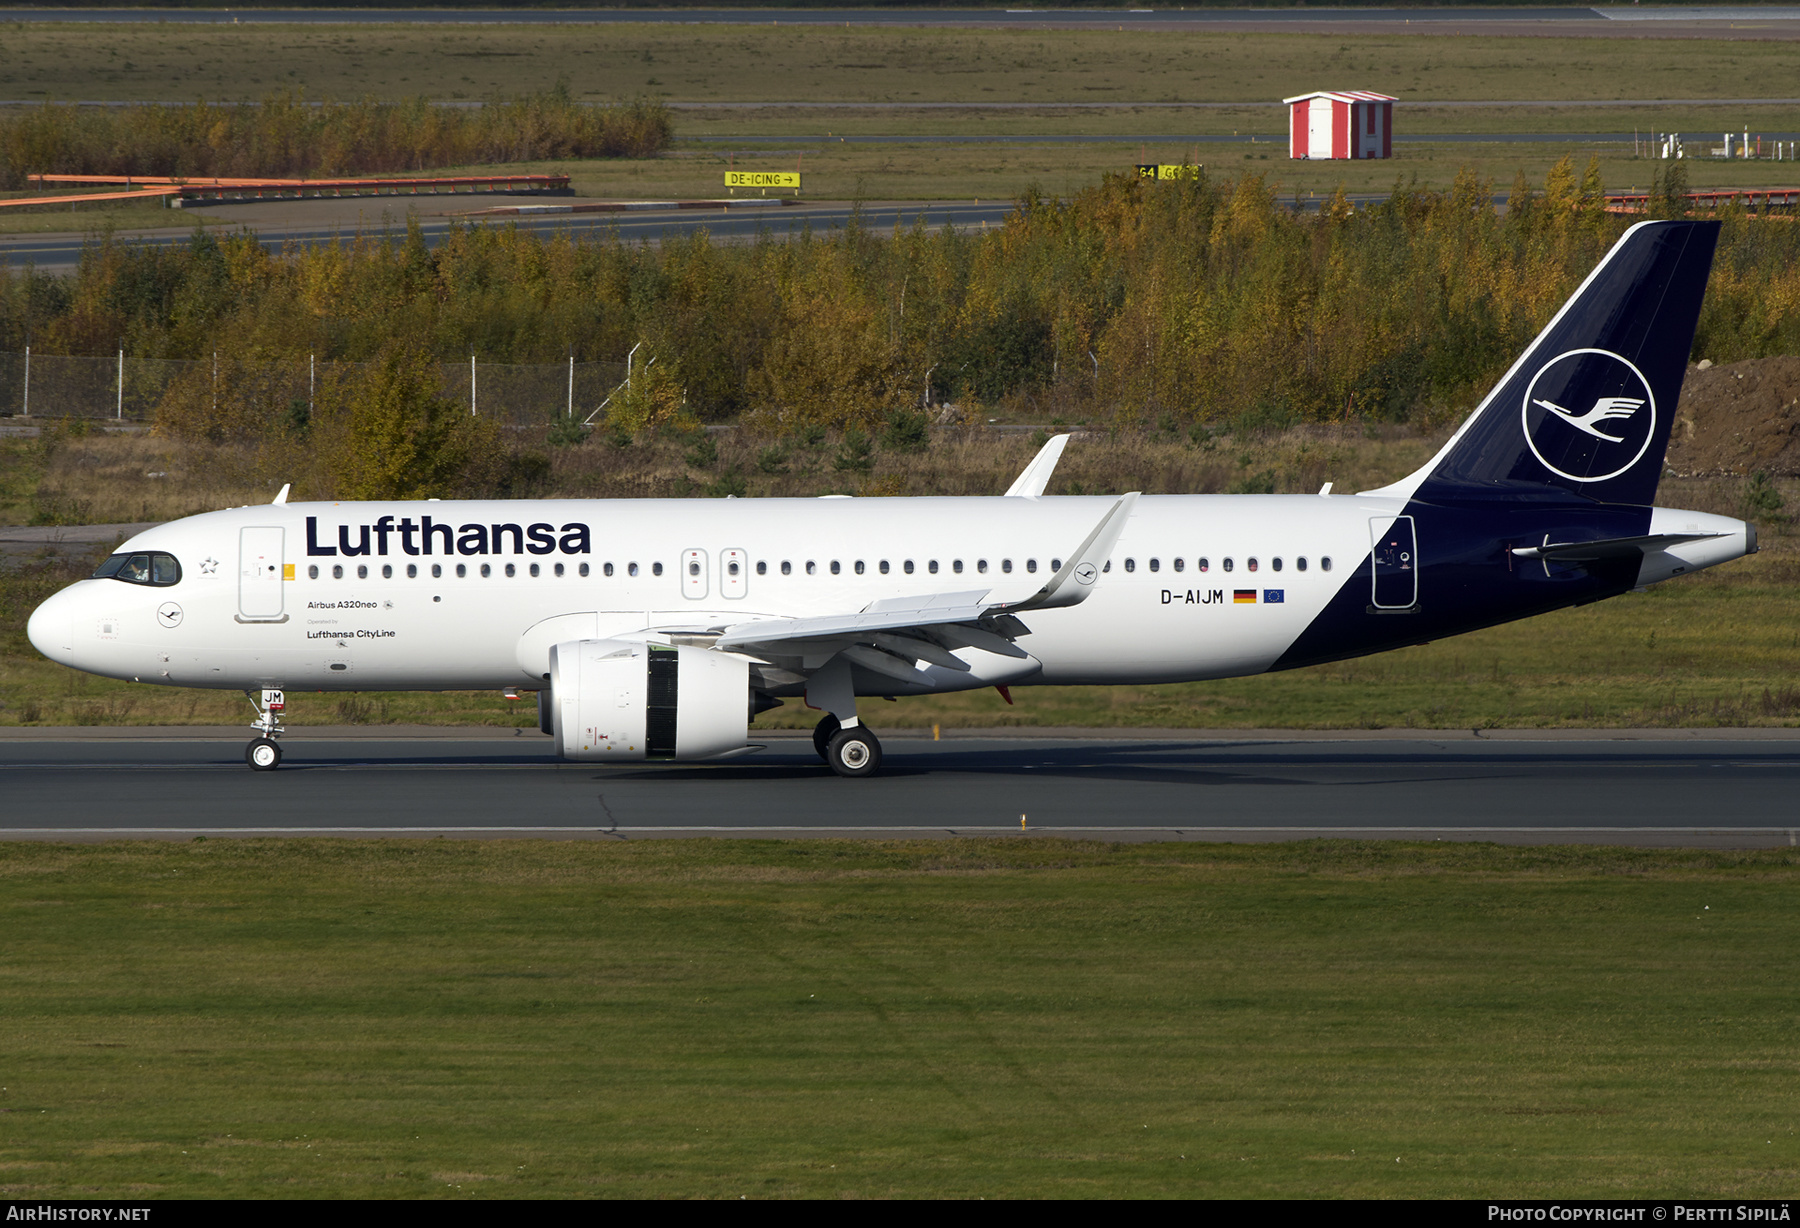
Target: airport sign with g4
(762,179)
(1186,170)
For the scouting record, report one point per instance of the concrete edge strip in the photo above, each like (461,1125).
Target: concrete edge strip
(939,828)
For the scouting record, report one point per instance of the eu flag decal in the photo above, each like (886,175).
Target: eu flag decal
(1274,596)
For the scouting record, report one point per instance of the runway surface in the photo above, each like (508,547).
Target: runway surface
(747,219)
(1735,790)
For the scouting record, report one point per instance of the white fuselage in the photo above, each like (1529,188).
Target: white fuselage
(1198,586)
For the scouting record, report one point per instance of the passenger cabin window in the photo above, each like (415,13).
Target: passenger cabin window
(1250,564)
(836,567)
(159,570)
(932,567)
(1300,563)
(1155,564)
(1031,566)
(312,572)
(462,571)
(907,567)
(787,568)
(1055,564)
(559,570)
(387,571)
(583,569)
(1130,564)
(956,566)
(1325,563)
(981,566)
(412,571)
(1275,563)
(1006,567)
(656,569)
(1226,564)
(437,571)
(511,571)
(337,572)
(487,570)
(812,568)
(884,567)
(605,570)
(762,568)
(1178,564)
(534,571)
(1203,564)
(362,571)
(631,569)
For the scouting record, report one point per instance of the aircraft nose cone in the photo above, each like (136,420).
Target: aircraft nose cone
(51,628)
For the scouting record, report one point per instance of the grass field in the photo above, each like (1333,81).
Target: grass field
(776,64)
(873,78)
(1015,1018)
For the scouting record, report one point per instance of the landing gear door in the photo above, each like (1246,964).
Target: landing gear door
(1394,557)
(261,570)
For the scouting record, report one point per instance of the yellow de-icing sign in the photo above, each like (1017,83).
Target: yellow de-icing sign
(1167,170)
(762,179)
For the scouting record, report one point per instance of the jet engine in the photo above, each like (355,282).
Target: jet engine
(619,700)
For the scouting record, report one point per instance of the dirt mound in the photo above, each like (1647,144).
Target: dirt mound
(1739,419)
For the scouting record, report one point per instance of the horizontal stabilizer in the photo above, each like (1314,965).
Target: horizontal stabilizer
(1611,548)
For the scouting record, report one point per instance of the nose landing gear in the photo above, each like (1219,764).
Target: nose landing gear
(263,754)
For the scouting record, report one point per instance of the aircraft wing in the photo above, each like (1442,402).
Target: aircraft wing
(924,628)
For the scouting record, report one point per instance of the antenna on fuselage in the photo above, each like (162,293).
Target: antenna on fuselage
(281,498)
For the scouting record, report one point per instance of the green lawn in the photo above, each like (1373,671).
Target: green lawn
(1008,1018)
(736,63)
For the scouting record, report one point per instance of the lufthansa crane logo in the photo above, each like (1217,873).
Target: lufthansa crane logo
(1086,573)
(1589,415)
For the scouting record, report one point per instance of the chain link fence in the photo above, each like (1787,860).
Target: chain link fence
(129,389)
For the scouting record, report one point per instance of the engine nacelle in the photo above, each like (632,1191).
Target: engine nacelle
(618,700)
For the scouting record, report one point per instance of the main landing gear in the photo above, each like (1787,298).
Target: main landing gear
(849,752)
(264,753)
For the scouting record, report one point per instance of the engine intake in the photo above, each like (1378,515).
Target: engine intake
(619,700)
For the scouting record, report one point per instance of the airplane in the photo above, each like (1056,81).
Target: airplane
(659,629)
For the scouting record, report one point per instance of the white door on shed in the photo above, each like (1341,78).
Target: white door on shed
(1318,128)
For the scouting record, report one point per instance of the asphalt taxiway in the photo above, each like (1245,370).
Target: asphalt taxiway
(386,217)
(1724,789)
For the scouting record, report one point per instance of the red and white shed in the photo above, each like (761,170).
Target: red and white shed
(1341,124)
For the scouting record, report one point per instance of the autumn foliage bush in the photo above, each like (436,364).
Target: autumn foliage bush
(1176,304)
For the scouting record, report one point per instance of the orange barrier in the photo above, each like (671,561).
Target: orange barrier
(1759,200)
(143,194)
(201,189)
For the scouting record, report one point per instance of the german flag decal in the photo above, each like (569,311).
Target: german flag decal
(1243,596)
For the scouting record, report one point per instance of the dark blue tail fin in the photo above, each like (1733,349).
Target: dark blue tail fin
(1587,408)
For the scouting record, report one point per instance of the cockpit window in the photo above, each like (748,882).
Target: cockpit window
(159,570)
